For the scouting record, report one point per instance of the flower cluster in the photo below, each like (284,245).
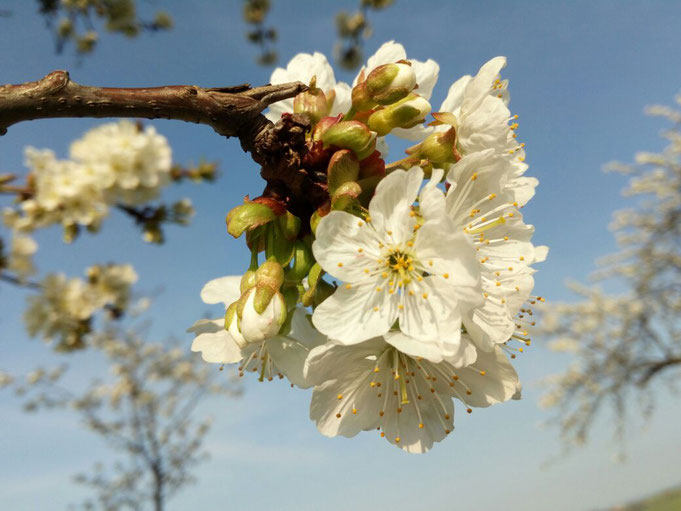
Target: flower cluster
(114,164)
(64,308)
(417,273)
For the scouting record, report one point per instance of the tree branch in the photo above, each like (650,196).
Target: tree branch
(230,111)
(655,367)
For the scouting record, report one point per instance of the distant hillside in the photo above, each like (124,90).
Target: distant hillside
(668,500)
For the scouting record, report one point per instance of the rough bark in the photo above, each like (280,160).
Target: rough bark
(230,111)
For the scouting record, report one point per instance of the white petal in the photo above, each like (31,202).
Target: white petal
(418,132)
(426,76)
(499,384)
(354,315)
(431,312)
(335,416)
(390,207)
(214,342)
(443,250)
(223,289)
(428,349)
(480,86)
(343,99)
(303,331)
(345,246)
(257,327)
(454,99)
(388,52)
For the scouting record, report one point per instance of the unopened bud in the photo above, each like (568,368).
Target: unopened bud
(247,217)
(343,167)
(262,315)
(232,326)
(65,28)
(439,147)
(290,225)
(248,281)
(353,135)
(324,124)
(390,83)
(361,99)
(312,103)
(302,262)
(406,113)
(317,216)
(270,274)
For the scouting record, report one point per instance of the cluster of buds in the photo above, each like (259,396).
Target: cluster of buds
(261,310)
(343,147)
(386,99)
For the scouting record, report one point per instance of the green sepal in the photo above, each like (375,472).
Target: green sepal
(313,280)
(302,262)
(343,167)
(247,217)
(277,246)
(290,225)
(263,297)
(291,295)
(322,291)
(229,315)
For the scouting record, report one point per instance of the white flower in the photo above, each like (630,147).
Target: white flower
(65,192)
(111,284)
(60,310)
(279,355)
(374,385)
(131,164)
(481,202)
(21,252)
(302,68)
(426,77)
(483,121)
(394,268)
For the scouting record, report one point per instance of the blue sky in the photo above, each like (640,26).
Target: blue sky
(580,75)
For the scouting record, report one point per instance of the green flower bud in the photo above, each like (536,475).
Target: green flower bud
(439,147)
(290,225)
(361,99)
(302,262)
(406,113)
(248,281)
(270,274)
(312,103)
(353,135)
(343,167)
(390,83)
(247,217)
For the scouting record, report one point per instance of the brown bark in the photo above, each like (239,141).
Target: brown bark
(230,111)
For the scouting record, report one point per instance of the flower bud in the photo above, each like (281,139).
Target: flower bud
(302,262)
(439,147)
(270,274)
(312,103)
(406,113)
(343,167)
(247,217)
(248,281)
(352,135)
(361,99)
(390,83)
(262,315)
(232,326)
(324,124)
